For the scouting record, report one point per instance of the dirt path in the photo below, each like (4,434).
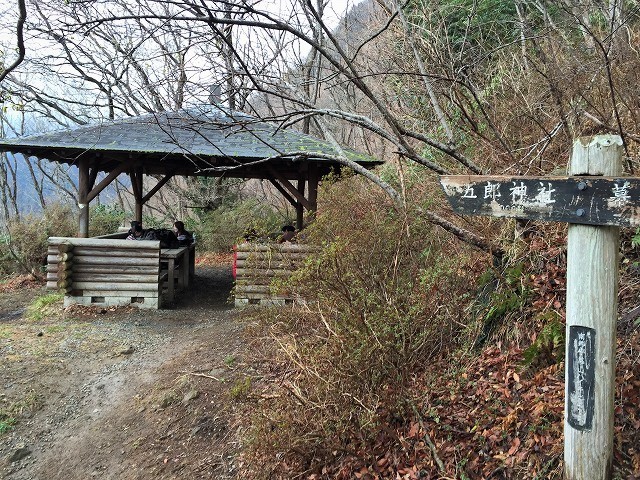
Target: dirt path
(123,394)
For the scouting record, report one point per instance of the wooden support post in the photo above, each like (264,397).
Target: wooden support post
(137,185)
(313,189)
(592,288)
(595,201)
(83,202)
(138,213)
(300,206)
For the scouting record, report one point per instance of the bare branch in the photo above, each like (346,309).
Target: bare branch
(20,40)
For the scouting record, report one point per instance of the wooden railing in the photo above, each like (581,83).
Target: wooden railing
(105,272)
(257,266)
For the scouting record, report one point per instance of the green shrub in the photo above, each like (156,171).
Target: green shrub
(240,388)
(105,219)
(502,295)
(379,277)
(6,422)
(221,228)
(26,239)
(548,348)
(383,293)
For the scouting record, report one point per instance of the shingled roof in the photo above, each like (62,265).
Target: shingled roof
(206,140)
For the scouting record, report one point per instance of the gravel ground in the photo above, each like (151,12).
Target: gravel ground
(122,393)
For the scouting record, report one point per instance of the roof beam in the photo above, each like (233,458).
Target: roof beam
(292,190)
(105,182)
(284,193)
(157,187)
(93,175)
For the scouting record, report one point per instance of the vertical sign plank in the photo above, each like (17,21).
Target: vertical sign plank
(592,290)
(581,377)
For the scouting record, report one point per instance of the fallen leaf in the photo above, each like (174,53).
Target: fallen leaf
(515,445)
(413,430)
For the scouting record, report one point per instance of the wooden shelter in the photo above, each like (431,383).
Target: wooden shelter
(201,141)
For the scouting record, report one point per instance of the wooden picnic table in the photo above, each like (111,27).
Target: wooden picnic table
(178,261)
(192,261)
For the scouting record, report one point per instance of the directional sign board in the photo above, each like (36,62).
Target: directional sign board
(602,204)
(585,200)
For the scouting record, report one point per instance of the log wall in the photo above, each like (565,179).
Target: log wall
(257,266)
(105,271)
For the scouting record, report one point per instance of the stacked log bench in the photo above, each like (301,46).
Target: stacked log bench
(257,266)
(105,272)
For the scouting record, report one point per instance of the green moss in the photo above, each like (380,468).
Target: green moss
(548,348)
(44,305)
(10,414)
(6,424)
(240,388)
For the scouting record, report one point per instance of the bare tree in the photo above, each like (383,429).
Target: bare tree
(452,88)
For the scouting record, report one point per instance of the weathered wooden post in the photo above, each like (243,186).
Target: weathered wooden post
(592,301)
(595,202)
(137,185)
(299,205)
(83,202)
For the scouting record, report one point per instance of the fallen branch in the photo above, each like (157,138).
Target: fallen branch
(295,391)
(269,396)
(205,376)
(631,315)
(428,440)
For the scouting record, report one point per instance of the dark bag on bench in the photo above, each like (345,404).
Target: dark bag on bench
(166,237)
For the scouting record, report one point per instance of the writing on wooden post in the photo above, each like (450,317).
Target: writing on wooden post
(579,199)
(581,359)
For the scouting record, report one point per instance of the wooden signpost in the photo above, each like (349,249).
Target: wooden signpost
(595,201)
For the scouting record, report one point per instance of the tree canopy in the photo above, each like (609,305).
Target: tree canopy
(446,87)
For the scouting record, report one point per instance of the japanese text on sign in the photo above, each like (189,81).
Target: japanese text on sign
(519,192)
(581,377)
(580,199)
